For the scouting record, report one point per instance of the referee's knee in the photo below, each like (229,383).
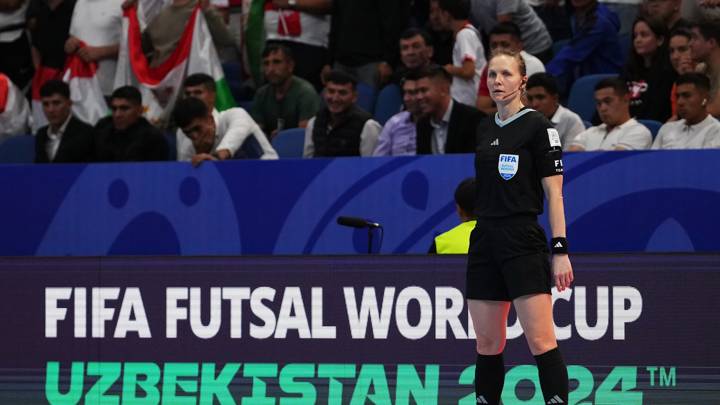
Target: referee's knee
(488,346)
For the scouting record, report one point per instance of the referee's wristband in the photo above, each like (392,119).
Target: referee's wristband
(559,246)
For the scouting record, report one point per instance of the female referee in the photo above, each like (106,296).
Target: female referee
(518,157)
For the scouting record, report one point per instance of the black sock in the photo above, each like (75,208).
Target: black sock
(489,379)
(553,377)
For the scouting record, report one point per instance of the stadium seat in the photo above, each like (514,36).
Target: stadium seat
(587,124)
(389,103)
(625,41)
(18,149)
(366,97)
(652,125)
(581,99)
(289,143)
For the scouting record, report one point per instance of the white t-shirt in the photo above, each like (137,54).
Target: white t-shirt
(568,124)
(232,128)
(532,64)
(679,135)
(631,135)
(467,47)
(10,19)
(15,113)
(99,23)
(314,29)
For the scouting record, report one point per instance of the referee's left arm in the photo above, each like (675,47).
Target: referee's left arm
(561,267)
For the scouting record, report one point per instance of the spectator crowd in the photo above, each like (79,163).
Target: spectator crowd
(330,67)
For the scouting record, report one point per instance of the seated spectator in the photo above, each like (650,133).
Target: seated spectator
(97,24)
(485,14)
(286,101)
(468,51)
(65,139)
(505,36)
(457,240)
(216,136)
(705,49)
(163,33)
(648,72)
(416,52)
(681,61)
(447,126)
(544,96)
(667,11)
(127,136)
(618,131)
(594,47)
(341,128)
(14,109)
(696,128)
(399,136)
(303,27)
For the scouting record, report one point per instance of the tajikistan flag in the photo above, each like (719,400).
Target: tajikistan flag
(160,85)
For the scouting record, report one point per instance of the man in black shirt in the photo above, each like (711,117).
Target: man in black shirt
(127,136)
(66,139)
(448,126)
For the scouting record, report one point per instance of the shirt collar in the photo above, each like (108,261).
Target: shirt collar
(61,130)
(556,117)
(700,125)
(629,122)
(445,118)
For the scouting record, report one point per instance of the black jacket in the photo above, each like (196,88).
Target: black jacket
(141,142)
(76,144)
(464,121)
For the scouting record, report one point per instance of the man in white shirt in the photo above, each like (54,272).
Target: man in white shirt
(696,129)
(341,128)
(505,35)
(468,52)
(543,95)
(618,131)
(217,136)
(98,24)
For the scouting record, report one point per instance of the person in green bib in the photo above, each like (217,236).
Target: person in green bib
(457,240)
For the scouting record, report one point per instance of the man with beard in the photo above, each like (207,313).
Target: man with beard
(286,101)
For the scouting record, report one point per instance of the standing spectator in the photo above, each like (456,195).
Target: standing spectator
(98,25)
(487,13)
(286,101)
(14,109)
(468,53)
(696,128)
(127,136)
(216,136)
(543,95)
(668,11)
(594,47)
(505,36)
(364,38)
(51,28)
(341,128)
(161,36)
(416,52)
(65,139)
(618,131)
(16,60)
(399,135)
(681,61)
(705,49)
(447,126)
(302,26)
(442,39)
(648,72)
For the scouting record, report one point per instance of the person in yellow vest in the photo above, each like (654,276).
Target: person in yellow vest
(457,240)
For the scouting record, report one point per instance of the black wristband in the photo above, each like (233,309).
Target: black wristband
(559,246)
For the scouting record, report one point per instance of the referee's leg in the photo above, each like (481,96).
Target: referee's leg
(490,323)
(535,315)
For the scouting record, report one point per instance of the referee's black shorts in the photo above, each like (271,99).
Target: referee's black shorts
(508,258)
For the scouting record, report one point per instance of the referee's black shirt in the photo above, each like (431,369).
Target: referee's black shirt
(511,158)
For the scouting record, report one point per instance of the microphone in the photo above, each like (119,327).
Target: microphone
(355,222)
